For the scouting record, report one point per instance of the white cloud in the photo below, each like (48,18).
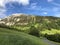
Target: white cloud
(50,0)
(56,11)
(2,15)
(53,9)
(23,2)
(34,6)
(2,12)
(56,4)
(45,13)
(3,3)
(57,15)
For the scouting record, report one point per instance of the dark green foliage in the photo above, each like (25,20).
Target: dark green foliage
(55,37)
(10,27)
(3,25)
(34,31)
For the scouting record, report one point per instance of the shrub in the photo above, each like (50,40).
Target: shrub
(55,37)
(34,31)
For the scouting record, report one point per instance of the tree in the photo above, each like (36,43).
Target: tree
(34,31)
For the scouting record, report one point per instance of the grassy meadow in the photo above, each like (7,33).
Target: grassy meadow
(8,37)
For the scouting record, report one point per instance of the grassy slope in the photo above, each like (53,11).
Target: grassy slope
(8,37)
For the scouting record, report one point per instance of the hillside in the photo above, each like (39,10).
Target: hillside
(45,22)
(40,26)
(8,37)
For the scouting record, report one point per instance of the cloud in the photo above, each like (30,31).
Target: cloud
(4,2)
(2,15)
(56,11)
(2,12)
(45,13)
(34,6)
(56,4)
(23,2)
(57,15)
(53,9)
(50,0)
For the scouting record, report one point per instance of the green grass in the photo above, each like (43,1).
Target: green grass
(11,37)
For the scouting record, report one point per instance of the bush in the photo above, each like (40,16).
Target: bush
(34,31)
(55,37)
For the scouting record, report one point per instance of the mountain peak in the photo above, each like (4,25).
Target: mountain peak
(18,14)
(0,19)
(24,19)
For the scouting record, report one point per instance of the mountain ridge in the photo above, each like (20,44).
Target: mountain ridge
(25,19)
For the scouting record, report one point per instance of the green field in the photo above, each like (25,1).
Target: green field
(11,37)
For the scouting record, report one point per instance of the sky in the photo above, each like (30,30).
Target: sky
(35,7)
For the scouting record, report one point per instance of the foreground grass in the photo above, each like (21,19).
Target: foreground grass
(11,37)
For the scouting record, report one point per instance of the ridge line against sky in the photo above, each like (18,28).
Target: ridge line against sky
(37,7)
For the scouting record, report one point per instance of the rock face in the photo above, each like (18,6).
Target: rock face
(24,19)
(18,19)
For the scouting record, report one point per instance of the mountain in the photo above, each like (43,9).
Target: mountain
(47,22)
(46,26)
(12,37)
(19,19)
